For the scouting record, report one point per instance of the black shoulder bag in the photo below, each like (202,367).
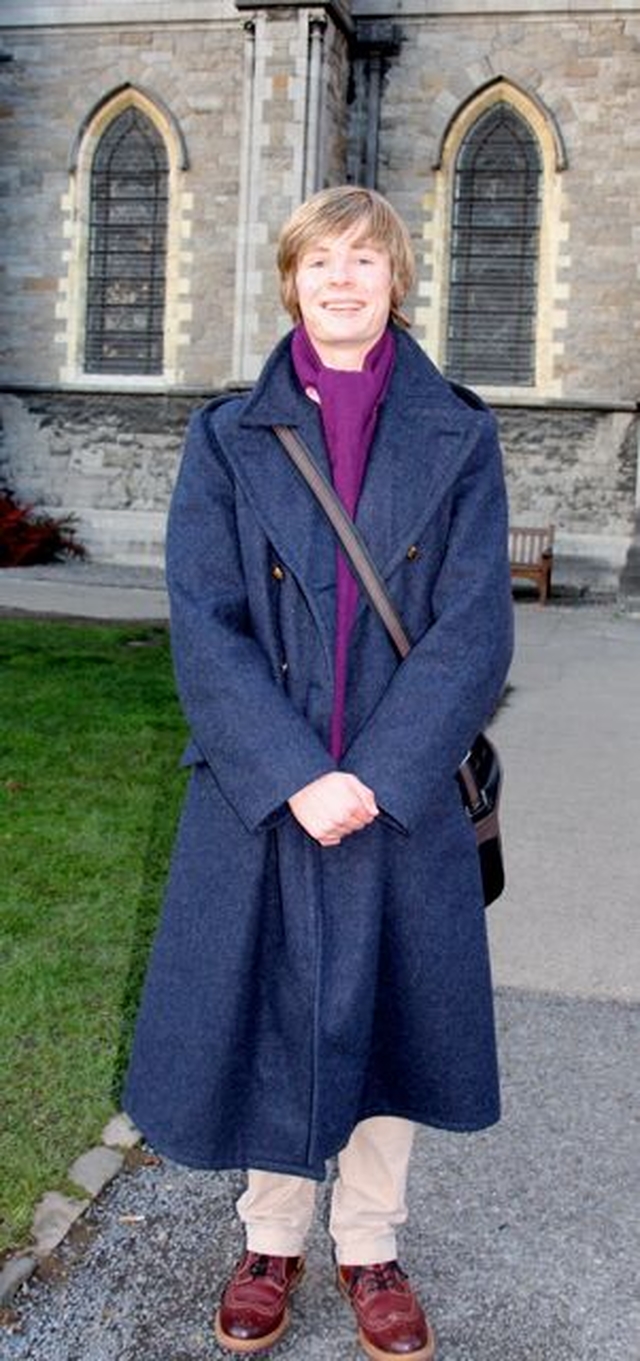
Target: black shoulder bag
(480,775)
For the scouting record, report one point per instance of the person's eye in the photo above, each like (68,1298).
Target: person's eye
(365,260)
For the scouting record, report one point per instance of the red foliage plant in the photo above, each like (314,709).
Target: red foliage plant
(27,537)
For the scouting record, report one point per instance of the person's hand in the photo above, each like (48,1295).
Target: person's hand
(333,807)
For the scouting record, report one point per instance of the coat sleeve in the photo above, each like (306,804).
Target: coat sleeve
(258,747)
(448,687)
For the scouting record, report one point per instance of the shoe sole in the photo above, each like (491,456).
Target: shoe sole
(246,1345)
(425,1353)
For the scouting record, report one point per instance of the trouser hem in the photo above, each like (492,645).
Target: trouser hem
(275,1244)
(366,1251)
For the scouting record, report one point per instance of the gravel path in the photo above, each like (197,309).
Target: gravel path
(524,1240)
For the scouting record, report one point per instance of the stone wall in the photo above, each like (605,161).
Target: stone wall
(335,115)
(583,67)
(110,460)
(107,452)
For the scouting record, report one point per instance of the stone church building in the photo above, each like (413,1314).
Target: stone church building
(151,150)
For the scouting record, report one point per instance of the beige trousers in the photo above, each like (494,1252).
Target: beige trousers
(368,1201)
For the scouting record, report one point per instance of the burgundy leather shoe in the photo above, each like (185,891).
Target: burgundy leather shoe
(391,1322)
(254,1311)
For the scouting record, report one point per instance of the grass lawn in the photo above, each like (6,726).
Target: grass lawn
(90,736)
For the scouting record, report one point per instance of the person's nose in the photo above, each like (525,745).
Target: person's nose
(340,271)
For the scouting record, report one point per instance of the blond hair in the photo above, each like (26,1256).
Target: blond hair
(331,212)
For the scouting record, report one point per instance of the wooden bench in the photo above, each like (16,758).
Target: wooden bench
(531,555)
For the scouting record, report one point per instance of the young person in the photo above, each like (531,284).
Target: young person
(320,982)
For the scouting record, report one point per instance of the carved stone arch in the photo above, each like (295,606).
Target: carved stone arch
(531,108)
(552,295)
(114,102)
(74,290)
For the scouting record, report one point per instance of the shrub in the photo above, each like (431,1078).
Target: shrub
(28,537)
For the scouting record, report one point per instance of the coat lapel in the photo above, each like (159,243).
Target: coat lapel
(282,500)
(422,440)
(414,460)
(299,533)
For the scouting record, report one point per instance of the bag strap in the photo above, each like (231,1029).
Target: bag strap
(350,538)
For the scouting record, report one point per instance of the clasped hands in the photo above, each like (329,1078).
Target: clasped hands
(333,806)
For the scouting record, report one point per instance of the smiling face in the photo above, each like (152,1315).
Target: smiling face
(343,287)
(346,265)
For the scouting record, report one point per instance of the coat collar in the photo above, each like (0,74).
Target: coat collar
(277,399)
(424,433)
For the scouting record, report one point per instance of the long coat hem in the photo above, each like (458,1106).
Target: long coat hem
(287,1167)
(483,1120)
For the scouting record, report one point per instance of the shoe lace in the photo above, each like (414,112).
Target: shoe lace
(379,1276)
(265,1265)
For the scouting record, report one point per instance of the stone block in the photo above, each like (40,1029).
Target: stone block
(120,1132)
(53,1218)
(95,1169)
(14,1273)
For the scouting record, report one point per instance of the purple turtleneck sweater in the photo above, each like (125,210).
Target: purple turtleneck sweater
(349,402)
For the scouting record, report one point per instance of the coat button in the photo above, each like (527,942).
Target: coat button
(413,552)
(277,572)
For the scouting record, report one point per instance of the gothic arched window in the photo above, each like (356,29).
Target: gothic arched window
(127,248)
(493,274)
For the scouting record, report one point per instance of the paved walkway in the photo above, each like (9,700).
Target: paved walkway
(85,590)
(525,1239)
(570,737)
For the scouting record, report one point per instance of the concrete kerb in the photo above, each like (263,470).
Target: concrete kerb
(85,591)
(55,1214)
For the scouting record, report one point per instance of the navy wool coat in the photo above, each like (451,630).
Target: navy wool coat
(294,990)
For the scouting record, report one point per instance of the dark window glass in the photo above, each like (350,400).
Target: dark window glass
(127,249)
(494,253)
